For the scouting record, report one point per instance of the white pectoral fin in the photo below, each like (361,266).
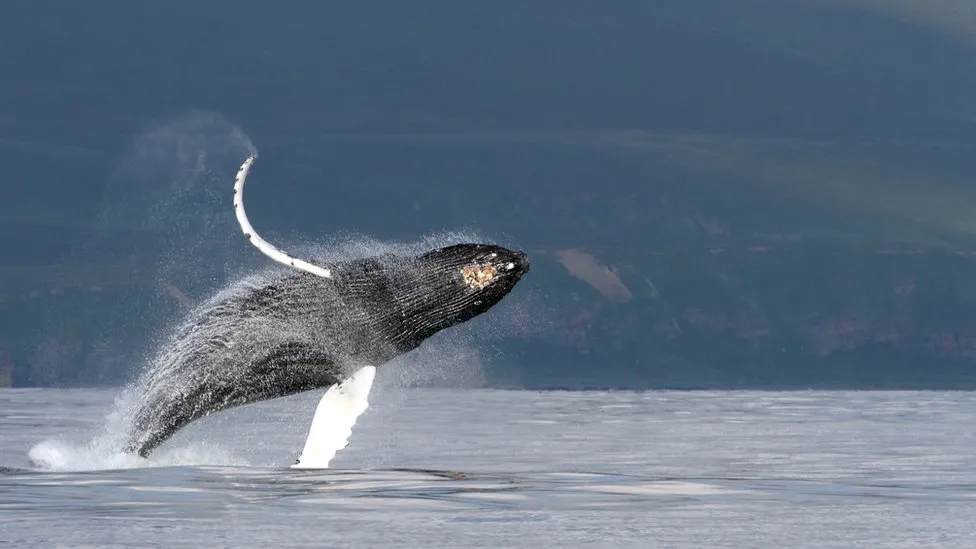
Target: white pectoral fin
(335,415)
(261,244)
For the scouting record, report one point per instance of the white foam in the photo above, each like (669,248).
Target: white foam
(61,456)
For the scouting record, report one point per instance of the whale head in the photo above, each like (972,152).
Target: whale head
(459,282)
(476,276)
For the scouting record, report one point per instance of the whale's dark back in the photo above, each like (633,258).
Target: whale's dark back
(298,332)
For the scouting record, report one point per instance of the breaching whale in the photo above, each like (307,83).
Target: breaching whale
(311,327)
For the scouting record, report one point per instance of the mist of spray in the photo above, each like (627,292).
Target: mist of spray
(171,189)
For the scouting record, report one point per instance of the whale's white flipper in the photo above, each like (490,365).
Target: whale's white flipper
(334,418)
(261,244)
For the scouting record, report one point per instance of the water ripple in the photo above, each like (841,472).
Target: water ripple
(441,468)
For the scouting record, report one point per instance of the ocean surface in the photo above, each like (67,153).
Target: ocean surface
(490,468)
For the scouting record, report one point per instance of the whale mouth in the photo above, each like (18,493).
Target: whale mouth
(520,263)
(515,264)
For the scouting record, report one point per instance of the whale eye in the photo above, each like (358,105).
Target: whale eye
(509,266)
(492,255)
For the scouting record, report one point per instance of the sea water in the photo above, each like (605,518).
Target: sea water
(489,468)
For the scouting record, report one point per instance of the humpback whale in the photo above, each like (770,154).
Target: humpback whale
(311,326)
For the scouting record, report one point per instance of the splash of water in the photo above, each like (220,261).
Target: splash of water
(101,452)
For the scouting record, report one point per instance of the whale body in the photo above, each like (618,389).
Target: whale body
(311,327)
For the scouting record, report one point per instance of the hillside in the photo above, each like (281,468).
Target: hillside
(714,194)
